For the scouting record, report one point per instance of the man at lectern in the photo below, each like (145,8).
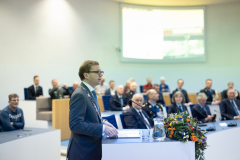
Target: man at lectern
(85,122)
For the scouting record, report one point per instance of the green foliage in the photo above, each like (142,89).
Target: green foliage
(181,127)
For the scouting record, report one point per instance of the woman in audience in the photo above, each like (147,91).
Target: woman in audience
(127,87)
(178,103)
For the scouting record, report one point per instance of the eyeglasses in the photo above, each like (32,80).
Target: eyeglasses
(15,100)
(98,72)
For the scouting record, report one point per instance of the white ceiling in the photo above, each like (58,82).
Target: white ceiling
(176,2)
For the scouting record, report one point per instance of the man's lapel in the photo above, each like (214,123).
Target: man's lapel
(201,110)
(89,93)
(138,116)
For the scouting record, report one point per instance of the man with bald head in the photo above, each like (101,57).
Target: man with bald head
(75,85)
(151,107)
(147,86)
(133,88)
(135,117)
(230,86)
(230,107)
(57,92)
(119,102)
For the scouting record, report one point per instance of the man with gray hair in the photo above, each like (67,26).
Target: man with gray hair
(119,102)
(230,107)
(75,85)
(133,88)
(163,86)
(201,111)
(151,107)
(135,117)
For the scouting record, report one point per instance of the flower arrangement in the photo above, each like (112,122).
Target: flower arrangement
(181,127)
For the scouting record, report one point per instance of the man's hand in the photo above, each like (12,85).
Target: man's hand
(188,104)
(209,118)
(65,86)
(102,93)
(11,123)
(216,102)
(127,107)
(237,117)
(111,131)
(40,95)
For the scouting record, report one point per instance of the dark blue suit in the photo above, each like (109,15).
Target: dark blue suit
(85,125)
(200,113)
(173,108)
(108,92)
(31,92)
(115,103)
(160,100)
(227,110)
(133,120)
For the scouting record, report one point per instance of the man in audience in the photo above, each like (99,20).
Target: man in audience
(212,96)
(230,86)
(184,92)
(230,107)
(35,90)
(160,100)
(147,86)
(135,117)
(201,111)
(119,102)
(101,87)
(111,90)
(75,85)
(127,87)
(151,107)
(57,92)
(163,86)
(11,116)
(133,88)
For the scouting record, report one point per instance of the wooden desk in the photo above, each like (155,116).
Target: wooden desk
(100,103)
(219,96)
(193,97)
(166,98)
(60,117)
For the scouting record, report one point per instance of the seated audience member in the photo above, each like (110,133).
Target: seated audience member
(178,103)
(230,86)
(135,117)
(147,86)
(163,86)
(230,107)
(184,92)
(12,117)
(75,85)
(35,90)
(127,87)
(111,90)
(119,102)
(57,92)
(160,100)
(201,111)
(133,88)
(151,107)
(131,79)
(101,88)
(212,96)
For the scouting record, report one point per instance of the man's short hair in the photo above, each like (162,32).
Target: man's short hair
(180,80)
(34,77)
(230,82)
(201,95)
(176,94)
(111,81)
(162,78)
(13,95)
(230,90)
(149,92)
(155,85)
(137,94)
(85,68)
(208,80)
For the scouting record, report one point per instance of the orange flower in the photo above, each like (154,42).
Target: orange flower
(170,136)
(192,134)
(194,138)
(187,120)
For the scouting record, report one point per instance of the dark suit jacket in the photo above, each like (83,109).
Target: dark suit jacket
(173,108)
(209,96)
(108,92)
(70,93)
(31,92)
(184,92)
(86,128)
(115,103)
(58,93)
(161,100)
(200,113)
(224,95)
(151,112)
(227,110)
(133,120)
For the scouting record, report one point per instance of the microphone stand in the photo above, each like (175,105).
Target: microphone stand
(230,124)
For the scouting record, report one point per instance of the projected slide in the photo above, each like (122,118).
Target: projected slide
(162,35)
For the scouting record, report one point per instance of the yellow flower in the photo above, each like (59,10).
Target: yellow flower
(199,142)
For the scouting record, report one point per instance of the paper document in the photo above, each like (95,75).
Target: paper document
(123,134)
(223,124)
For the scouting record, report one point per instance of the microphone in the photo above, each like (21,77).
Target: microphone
(230,124)
(133,101)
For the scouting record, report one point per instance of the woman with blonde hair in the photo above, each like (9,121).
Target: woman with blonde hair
(178,103)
